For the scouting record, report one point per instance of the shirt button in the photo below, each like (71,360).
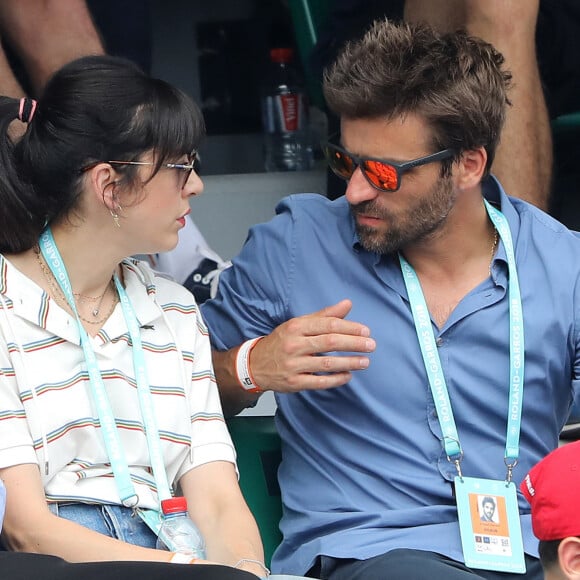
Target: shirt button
(439,341)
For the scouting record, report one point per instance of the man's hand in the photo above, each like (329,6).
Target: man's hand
(301,353)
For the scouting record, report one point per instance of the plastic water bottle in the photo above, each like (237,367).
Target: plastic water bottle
(287,142)
(178,533)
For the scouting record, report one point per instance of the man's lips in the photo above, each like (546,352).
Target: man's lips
(367,220)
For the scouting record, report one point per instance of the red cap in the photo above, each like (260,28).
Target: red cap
(174,505)
(553,489)
(281,55)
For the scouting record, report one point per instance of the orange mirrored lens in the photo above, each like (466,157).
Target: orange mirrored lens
(382,175)
(342,164)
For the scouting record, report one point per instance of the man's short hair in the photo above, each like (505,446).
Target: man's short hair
(453,81)
(488,499)
(549,552)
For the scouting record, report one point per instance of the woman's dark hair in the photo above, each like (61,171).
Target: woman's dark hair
(455,82)
(96,108)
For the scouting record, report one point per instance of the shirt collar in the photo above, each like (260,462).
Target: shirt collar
(29,301)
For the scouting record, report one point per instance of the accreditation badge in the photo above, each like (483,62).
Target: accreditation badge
(489,524)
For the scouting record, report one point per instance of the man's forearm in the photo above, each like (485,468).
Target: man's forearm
(233,397)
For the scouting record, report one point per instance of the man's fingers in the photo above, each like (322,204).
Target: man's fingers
(328,320)
(338,310)
(327,343)
(335,364)
(316,382)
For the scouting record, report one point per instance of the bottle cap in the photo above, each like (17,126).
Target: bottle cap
(174,505)
(281,54)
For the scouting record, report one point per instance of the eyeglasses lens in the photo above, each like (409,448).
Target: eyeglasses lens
(381,175)
(342,164)
(186,173)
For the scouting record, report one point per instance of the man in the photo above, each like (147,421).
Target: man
(551,487)
(510,25)
(393,323)
(488,510)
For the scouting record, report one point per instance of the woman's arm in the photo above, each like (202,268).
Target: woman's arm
(219,510)
(29,526)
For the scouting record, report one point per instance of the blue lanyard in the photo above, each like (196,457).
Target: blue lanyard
(115,451)
(432,362)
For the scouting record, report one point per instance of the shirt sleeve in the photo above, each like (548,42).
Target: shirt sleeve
(16,442)
(253,294)
(210,439)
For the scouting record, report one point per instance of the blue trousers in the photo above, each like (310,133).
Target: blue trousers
(403,564)
(111,520)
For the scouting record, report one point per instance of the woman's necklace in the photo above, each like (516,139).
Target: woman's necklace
(107,314)
(79,298)
(82,299)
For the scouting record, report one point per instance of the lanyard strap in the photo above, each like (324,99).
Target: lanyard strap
(145,398)
(119,465)
(432,362)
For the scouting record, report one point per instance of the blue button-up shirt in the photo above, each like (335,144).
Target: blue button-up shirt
(363,468)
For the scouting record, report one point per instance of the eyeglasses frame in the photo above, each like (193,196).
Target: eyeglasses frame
(400,168)
(189,167)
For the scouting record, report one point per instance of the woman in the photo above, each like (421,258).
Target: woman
(22,566)
(108,402)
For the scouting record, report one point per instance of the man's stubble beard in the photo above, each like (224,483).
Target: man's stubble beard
(417,222)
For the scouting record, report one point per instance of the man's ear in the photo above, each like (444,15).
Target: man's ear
(470,168)
(569,557)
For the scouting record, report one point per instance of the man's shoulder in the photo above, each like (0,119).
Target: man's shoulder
(540,223)
(298,217)
(314,205)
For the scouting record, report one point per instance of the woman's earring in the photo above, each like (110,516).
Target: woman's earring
(114,213)
(115,217)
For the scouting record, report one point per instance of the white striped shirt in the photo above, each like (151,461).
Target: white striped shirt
(44,388)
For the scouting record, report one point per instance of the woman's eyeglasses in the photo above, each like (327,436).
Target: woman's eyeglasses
(186,168)
(381,174)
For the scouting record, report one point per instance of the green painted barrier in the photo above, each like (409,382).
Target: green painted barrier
(258,448)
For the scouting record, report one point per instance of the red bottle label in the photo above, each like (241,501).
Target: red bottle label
(289,112)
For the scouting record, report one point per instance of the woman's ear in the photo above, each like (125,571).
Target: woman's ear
(103,181)
(471,168)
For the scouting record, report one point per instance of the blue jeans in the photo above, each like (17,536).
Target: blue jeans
(111,520)
(413,565)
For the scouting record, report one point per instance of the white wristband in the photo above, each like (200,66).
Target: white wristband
(181,558)
(243,366)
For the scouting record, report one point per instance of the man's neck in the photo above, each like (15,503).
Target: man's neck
(453,261)
(462,244)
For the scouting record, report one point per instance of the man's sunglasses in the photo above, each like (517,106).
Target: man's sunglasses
(381,174)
